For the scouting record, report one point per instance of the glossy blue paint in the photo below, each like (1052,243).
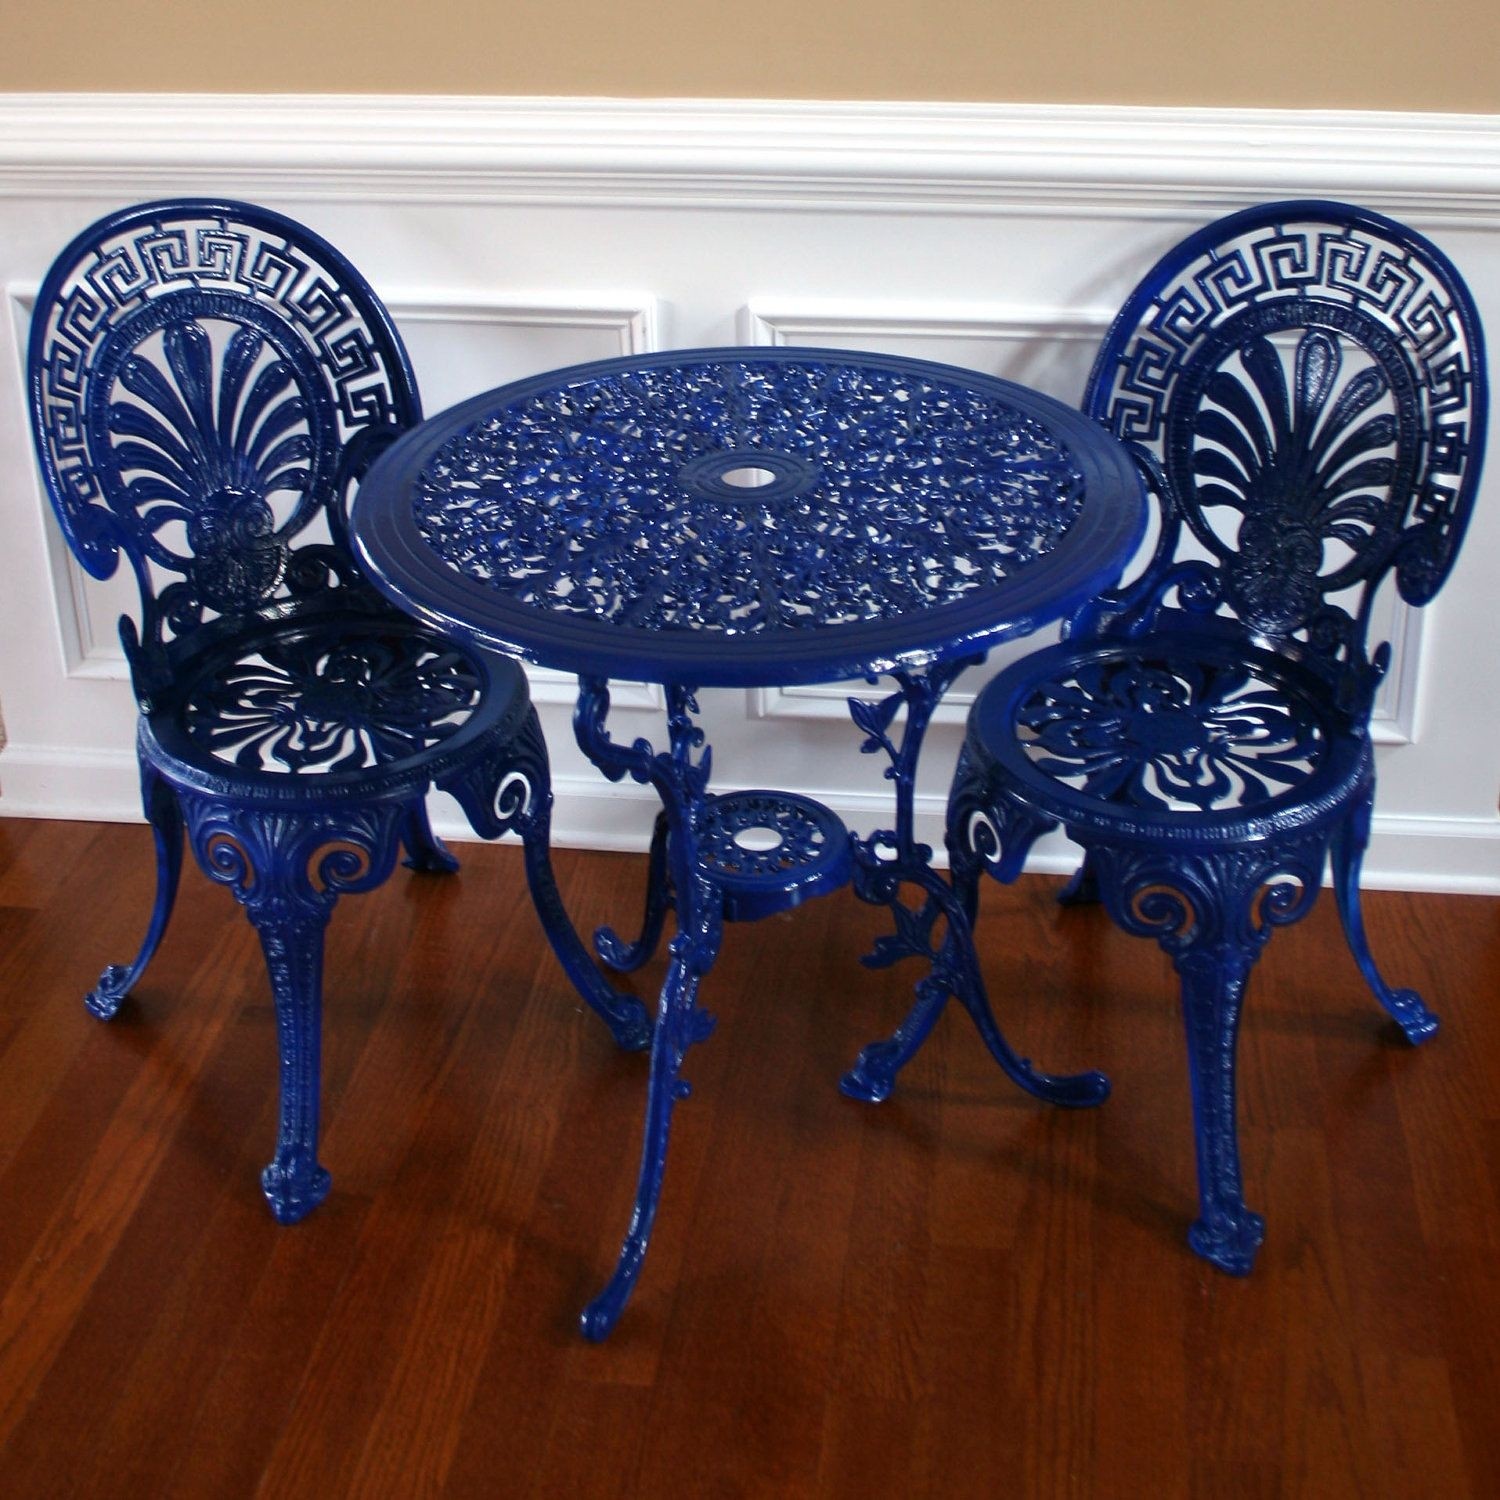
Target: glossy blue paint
(1303,384)
(208,381)
(749,517)
(583,521)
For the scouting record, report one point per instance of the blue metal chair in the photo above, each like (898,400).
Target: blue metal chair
(208,382)
(1303,384)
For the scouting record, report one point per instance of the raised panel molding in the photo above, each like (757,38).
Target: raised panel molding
(997,237)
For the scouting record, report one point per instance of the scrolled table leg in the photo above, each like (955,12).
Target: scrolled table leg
(682,783)
(889,859)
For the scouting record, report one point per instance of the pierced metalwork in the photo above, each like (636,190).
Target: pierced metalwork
(751,517)
(199,373)
(612,497)
(207,380)
(1304,388)
(1163,733)
(333,699)
(1307,382)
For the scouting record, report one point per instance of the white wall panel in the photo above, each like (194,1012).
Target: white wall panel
(513,236)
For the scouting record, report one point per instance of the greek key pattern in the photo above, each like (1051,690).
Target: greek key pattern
(197,376)
(1316,378)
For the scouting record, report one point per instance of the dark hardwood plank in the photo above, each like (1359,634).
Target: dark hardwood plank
(959,1292)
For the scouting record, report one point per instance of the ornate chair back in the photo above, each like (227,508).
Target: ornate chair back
(207,380)
(1304,384)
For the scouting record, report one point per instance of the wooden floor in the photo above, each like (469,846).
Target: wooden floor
(959,1292)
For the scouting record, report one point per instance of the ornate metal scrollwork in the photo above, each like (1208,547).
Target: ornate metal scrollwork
(884,493)
(1310,380)
(197,373)
(335,698)
(1157,732)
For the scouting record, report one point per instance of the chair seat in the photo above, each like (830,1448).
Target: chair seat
(316,709)
(1177,735)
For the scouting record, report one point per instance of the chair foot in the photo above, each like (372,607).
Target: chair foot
(426,853)
(165,817)
(106,997)
(1082,888)
(1230,1241)
(1407,1009)
(293,1192)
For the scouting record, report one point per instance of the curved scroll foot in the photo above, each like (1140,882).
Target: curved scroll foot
(1347,853)
(623,957)
(625,1016)
(1230,1240)
(425,851)
(293,1191)
(165,817)
(1068,1090)
(597,1320)
(873,1075)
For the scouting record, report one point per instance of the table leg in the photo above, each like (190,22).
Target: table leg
(890,859)
(682,784)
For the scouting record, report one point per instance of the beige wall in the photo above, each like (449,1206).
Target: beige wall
(1348,54)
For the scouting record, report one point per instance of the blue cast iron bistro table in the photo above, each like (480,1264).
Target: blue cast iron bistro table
(757,517)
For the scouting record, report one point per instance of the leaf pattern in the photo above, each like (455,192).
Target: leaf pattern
(1158,735)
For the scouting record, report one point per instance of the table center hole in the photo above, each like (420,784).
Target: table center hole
(747,476)
(757,840)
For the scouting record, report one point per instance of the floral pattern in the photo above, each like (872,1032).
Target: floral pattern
(314,702)
(617,497)
(1161,736)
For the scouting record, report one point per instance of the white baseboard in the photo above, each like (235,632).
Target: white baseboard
(1459,856)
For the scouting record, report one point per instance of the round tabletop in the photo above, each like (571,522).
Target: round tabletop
(748,517)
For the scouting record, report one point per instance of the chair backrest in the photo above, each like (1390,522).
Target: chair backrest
(207,379)
(1305,382)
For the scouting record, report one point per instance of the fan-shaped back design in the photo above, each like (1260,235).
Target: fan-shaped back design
(206,380)
(1306,380)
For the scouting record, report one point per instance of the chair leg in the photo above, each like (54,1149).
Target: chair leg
(511,791)
(287,870)
(624,1015)
(1212,912)
(295,1182)
(1083,888)
(425,851)
(623,957)
(1348,852)
(1213,979)
(165,817)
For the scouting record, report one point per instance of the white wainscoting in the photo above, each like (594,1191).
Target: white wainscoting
(510,236)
